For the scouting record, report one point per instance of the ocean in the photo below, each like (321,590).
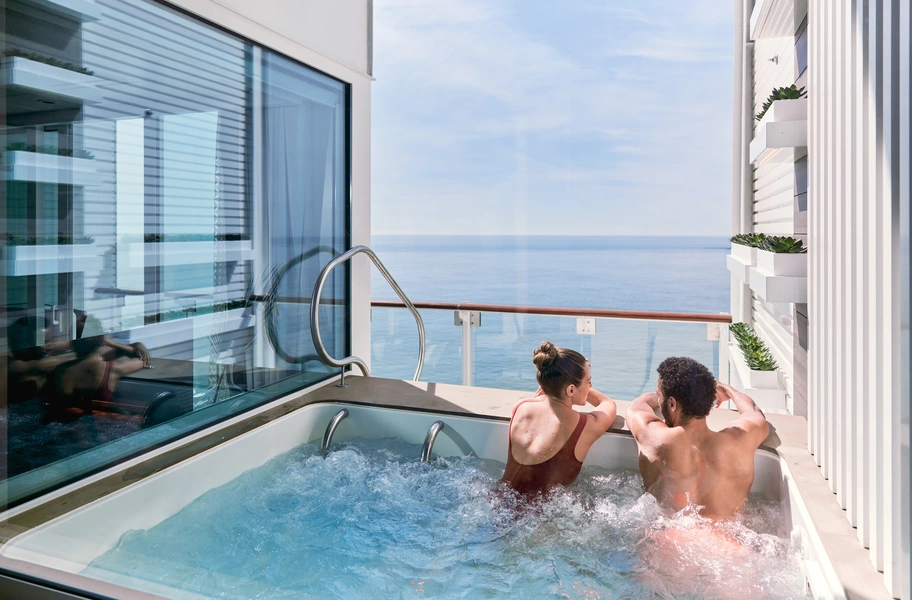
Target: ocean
(672,274)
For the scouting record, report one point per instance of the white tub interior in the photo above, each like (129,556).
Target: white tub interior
(72,541)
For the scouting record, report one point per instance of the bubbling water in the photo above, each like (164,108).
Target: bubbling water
(370,520)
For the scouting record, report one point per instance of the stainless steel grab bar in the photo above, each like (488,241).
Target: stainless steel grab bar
(436,428)
(315,313)
(331,429)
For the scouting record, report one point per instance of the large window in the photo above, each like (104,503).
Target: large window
(169,194)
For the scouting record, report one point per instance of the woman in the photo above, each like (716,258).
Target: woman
(548,440)
(100,363)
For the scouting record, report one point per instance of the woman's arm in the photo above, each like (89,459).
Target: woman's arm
(134,350)
(606,407)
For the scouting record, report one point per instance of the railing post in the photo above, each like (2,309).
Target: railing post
(467,319)
(723,353)
(724,364)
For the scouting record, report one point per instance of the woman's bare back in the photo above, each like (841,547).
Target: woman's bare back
(537,432)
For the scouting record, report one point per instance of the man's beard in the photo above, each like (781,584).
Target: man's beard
(665,415)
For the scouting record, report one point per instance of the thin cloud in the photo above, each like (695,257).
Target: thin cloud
(501,109)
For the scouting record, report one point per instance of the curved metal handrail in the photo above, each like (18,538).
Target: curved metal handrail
(331,429)
(436,427)
(315,308)
(270,304)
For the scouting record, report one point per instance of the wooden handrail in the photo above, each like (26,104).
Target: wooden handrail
(599,313)
(562,312)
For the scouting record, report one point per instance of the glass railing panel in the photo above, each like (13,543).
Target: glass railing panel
(394,345)
(624,353)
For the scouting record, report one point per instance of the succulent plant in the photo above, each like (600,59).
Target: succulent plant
(756,354)
(759,359)
(202,310)
(748,239)
(782,245)
(156,238)
(792,92)
(60,240)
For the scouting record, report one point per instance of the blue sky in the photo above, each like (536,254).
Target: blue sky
(552,118)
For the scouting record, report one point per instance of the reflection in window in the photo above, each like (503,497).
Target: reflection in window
(148,203)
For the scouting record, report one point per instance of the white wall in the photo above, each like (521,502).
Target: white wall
(858,207)
(767,193)
(332,37)
(338,29)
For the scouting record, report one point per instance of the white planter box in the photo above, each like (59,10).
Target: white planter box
(169,254)
(79,10)
(786,110)
(772,137)
(47,259)
(745,254)
(749,377)
(788,265)
(763,387)
(47,168)
(738,268)
(51,83)
(779,288)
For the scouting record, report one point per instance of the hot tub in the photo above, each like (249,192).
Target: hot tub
(71,542)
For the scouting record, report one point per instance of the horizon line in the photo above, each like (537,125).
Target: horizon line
(554,235)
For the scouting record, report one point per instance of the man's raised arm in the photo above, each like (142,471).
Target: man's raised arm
(752,421)
(641,415)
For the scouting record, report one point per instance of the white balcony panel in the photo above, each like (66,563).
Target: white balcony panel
(157,335)
(24,76)
(169,254)
(48,259)
(78,10)
(47,168)
(776,18)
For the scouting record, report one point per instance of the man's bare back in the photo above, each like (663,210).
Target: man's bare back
(682,461)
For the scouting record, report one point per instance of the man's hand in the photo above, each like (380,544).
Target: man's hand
(723,393)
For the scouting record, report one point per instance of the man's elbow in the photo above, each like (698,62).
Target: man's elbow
(763,428)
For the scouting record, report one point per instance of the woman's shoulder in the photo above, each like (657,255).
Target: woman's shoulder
(528,408)
(532,403)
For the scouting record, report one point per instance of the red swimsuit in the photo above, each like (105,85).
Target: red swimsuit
(104,392)
(560,469)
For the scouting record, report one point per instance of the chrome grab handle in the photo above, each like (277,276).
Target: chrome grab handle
(436,427)
(315,308)
(331,429)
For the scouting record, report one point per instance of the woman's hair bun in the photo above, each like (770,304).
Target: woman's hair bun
(544,356)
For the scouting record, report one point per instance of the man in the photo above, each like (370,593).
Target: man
(682,461)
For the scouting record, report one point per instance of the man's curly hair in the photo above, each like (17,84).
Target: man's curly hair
(690,383)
